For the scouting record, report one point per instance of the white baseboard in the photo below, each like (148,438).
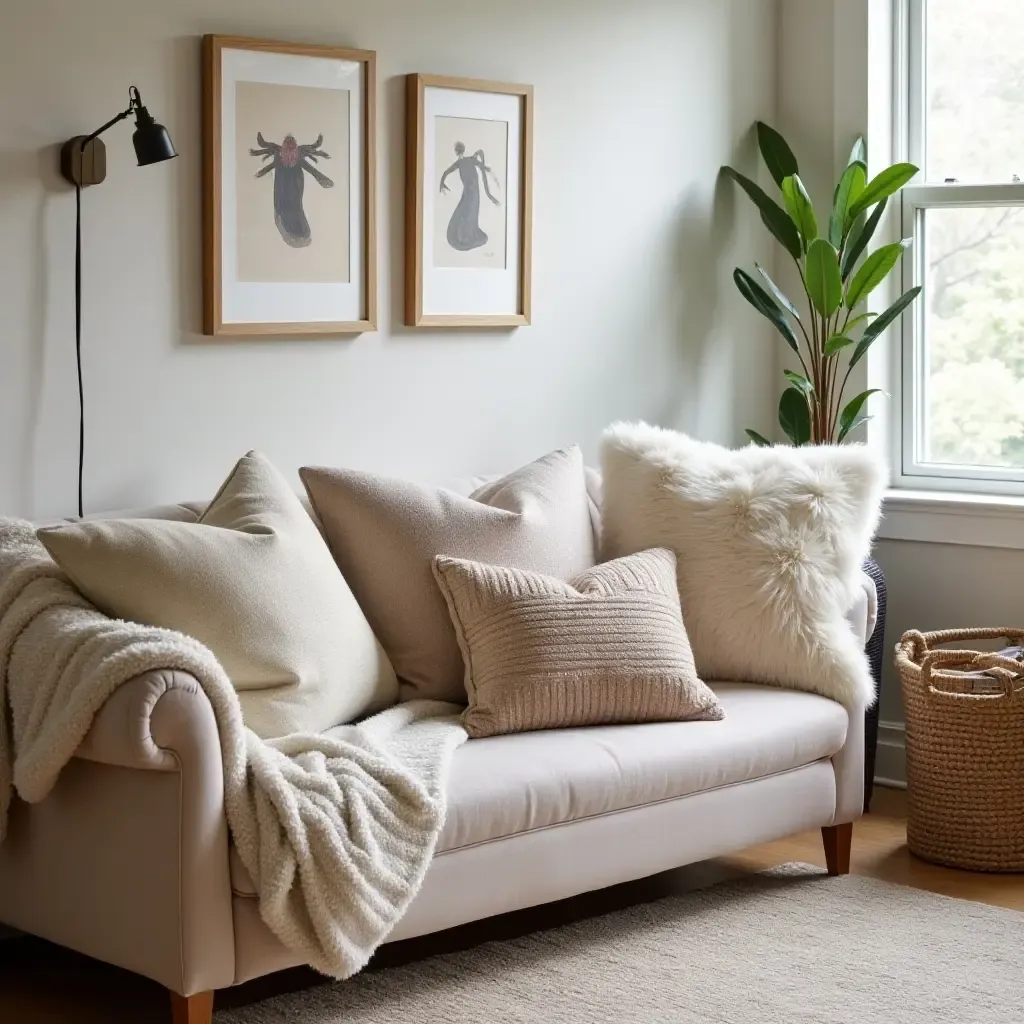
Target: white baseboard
(891,759)
(889,783)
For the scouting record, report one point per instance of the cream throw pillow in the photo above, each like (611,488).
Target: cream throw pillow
(609,646)
(254,581)
(769,543)
(385,534)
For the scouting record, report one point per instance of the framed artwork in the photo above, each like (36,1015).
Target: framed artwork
(468,202)
(289,226)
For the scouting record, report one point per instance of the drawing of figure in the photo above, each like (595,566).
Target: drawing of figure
(464,231)
(288,161)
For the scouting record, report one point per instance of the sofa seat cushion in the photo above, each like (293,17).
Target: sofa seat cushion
(503,785)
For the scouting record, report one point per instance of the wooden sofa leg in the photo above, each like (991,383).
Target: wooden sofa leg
(838,839)
(197,1009)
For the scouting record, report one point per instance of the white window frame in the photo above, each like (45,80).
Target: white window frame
(917,197)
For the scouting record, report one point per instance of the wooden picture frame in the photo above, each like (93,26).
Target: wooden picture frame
(270,273)
(457,292)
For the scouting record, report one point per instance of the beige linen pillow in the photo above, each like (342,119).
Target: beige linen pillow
(385,534)
(609,646)
(254,581)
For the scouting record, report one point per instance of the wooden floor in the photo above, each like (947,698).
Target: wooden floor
(41,984)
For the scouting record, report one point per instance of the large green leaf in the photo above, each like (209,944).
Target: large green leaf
(800,208)
(876,327)
(824,285)
(777,292)
(850,186)
(800,382)
(858,320)
(848,417)
(795,416)
(874,271)
(858,240)
(883,185)
(765,305)
(778,157)
(775,218)
(859,152)
(759,439)
(835,226)
(858,177)
(853,426)
(836,344)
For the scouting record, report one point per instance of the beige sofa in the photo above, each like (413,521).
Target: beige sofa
(130,860)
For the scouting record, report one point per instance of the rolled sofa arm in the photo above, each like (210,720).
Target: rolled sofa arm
(849,761)
(863,613)
(126,859)
(152,722)
(868,586)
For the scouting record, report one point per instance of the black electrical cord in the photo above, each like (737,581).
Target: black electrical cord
(78,342)
(152,145)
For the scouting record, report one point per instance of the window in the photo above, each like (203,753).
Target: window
(963,343)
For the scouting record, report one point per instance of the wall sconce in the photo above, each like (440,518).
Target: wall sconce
(83,161)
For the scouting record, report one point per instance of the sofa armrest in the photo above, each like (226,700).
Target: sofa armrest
(863,613)
(849,762)
(151,723)
(126,859)
(868,585)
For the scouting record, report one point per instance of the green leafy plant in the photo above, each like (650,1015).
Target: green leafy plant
(830,338)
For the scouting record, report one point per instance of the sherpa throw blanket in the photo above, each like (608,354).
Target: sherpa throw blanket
(336,829)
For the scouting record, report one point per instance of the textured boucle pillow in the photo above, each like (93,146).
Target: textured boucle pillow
(769,544)
(254,581)
(608,646)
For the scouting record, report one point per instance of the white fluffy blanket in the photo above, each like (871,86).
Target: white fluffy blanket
(336,830)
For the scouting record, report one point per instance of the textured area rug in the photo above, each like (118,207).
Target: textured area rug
(790,946)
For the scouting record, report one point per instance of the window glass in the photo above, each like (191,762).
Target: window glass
(973,340)
(974,103)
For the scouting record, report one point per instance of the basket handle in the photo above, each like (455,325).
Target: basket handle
(1005,670)
(922,643)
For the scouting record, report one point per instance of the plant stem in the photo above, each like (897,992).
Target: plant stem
(826,333)
(841,390)
(836,397)
(823,373)
(831,373)
(803,365)
(813,346)
(816,363)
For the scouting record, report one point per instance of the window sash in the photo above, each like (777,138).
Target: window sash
(913,471)
(909,470)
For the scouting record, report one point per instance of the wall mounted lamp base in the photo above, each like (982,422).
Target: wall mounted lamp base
(83,166)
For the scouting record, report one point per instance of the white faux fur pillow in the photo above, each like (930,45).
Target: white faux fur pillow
(769,544)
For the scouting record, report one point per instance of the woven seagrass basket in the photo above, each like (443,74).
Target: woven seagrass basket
(965,749)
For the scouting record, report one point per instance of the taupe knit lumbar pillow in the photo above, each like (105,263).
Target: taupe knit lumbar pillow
(609,646)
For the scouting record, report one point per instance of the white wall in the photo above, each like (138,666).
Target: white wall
(931,585)
(635,314)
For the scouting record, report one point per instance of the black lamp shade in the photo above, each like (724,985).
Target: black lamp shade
(152,143)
